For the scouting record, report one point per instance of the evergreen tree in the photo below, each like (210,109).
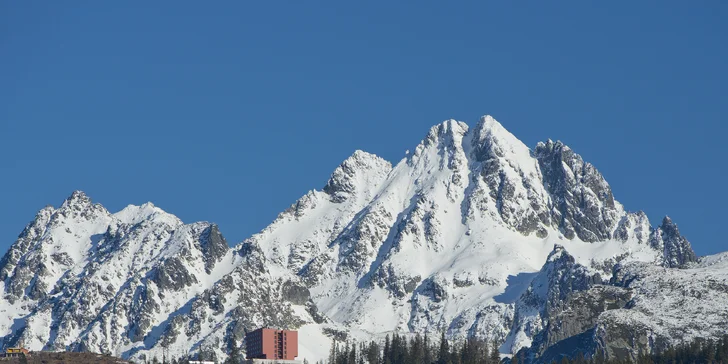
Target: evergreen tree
(362,353)
(352,354)
(721,354)
(398,349)
(332,353)
(387,351)
(464,353)
(344,355)
(394,349)
(373,356)
(417,350)
(443,354)
(483,353)
(427,350)
(234,355)
(494,356)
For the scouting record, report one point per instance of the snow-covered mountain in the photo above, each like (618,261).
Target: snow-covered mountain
(473,234)
(81,278)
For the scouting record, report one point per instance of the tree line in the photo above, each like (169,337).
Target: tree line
(398,349)
(419,349)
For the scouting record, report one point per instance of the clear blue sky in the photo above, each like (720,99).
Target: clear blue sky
(229,111)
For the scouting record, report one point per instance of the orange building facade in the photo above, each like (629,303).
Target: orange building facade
(266,343)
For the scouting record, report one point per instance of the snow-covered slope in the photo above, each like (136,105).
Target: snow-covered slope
(668,306)
(448,238)
(81,278)
(458,237)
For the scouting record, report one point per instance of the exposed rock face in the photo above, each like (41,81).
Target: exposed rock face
(513,179)
(579,313)
(644,309)
(676,249)
(669,306)
(542,302)
(25,241)
(633,226)
(573,320)
(452,238)
(295,293)
(213,246)
(583,204)
(172,275)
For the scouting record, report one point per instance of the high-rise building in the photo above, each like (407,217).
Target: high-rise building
(266,343)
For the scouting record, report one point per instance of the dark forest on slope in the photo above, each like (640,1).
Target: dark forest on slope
(421,349)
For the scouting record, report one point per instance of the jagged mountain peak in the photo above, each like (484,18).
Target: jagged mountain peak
(559,253)
(491,140)
(447,134)
(583,199)
(78,196)
(356,174)
(490,122)
(79,205)
(135,214)
(448,127)
(489,128)
(558,152)
(667,223)
(362,155)
(677,251)
(364,160)
(551,144)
